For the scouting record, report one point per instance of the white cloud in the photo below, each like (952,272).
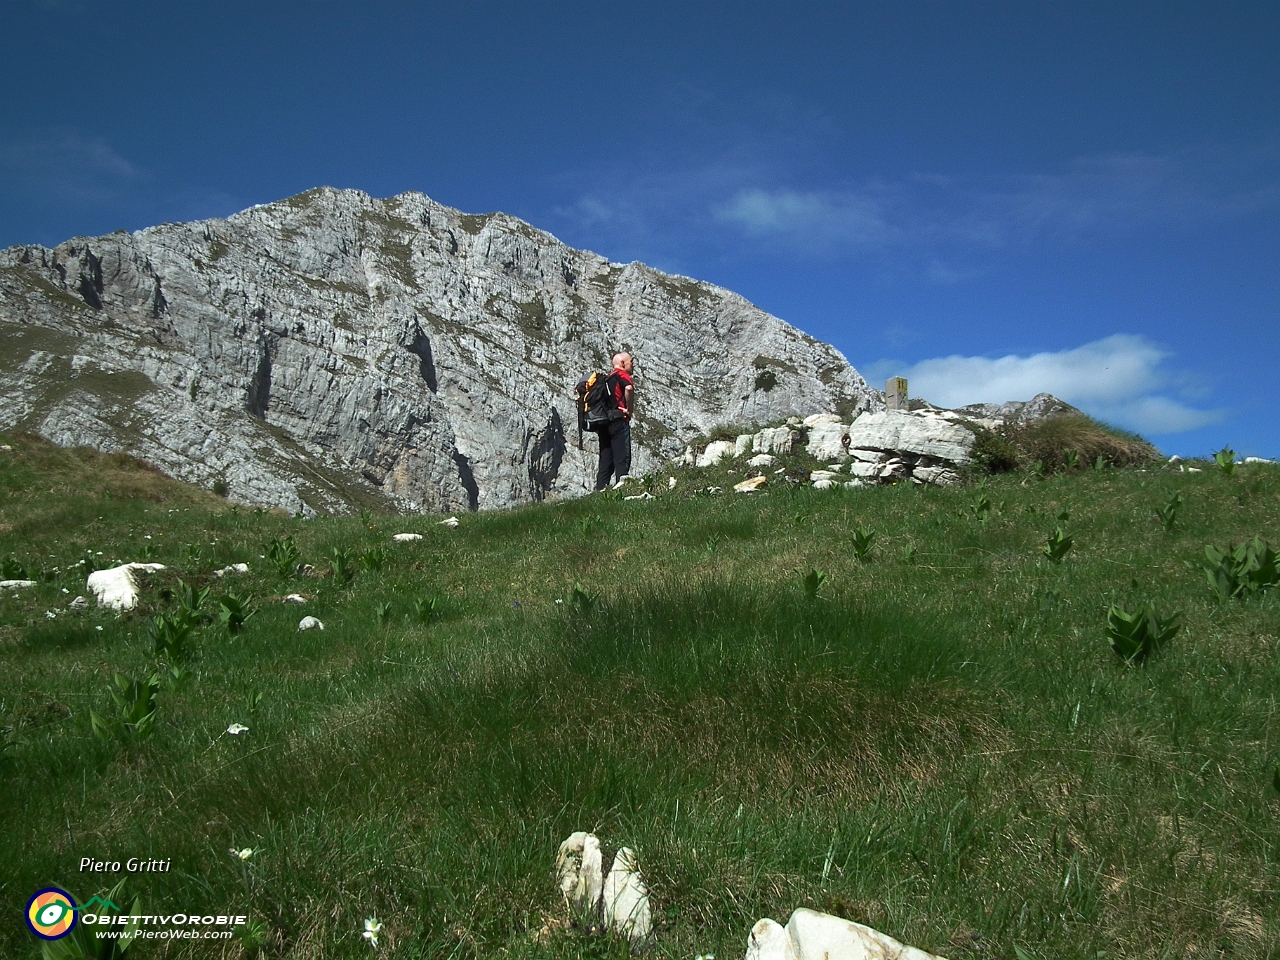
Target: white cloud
(825,216)
(1118,379)
(69,165)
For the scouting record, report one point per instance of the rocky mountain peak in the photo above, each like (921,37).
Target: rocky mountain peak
(334,350)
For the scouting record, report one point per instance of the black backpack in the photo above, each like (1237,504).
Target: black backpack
(597,401)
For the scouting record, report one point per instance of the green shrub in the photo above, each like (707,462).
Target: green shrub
(1226,459)
(283,554)
(1240,571)
(1057,546)
(813,581)
(1136,636)
(135,714)
(234,610)
(1168,514)
(863,541)
(993,452)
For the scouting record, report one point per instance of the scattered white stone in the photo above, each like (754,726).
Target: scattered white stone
(580,873)
(825,484)
(406,537)
(234,568)
(235,730)
(6,448)
(762,461)
(640,496)
(751,485)
(715,490)
(79,603)
(1174,460)
(449,522)
(50,615)
(1194,470)
(625,898)
(295,598)
(1257,460)
(310,623)
(116,588)
(16,584)
(671,483)
(819,475)
(623,480)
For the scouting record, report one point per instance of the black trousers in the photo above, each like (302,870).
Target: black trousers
(615,452)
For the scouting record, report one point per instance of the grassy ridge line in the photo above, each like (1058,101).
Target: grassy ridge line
(945,749)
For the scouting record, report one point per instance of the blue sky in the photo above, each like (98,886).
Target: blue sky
(991,198)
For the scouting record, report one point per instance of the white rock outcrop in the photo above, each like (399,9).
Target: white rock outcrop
(116,588)
(922,434)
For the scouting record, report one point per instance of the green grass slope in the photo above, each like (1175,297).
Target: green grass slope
(937,741)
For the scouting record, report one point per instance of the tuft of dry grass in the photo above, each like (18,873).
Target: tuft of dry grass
(1049,440)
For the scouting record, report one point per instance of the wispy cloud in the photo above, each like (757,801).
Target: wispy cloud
(68,165)
(1120,379)
(946,228)
(816,216)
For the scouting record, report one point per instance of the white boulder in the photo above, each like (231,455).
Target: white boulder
(625,898)
(943,476)
(406,537)
(579,873)
(817,418)
(16,584)
(779,440)
(295,598)
(828,439)
(919,433)
(310,623)
(448,522)
(116,588)
(820,936)
(743,444)
(234,568)
(750,485)
(715,451)
(762,461)
(769,940)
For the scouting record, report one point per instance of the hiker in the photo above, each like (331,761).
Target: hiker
(615,436)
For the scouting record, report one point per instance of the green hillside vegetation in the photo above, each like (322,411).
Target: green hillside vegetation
(904,705)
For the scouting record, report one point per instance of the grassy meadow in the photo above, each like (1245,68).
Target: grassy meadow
(934,738)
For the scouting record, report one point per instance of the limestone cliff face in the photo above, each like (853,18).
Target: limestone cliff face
(333,351)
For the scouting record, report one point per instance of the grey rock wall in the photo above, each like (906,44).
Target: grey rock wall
(334,351)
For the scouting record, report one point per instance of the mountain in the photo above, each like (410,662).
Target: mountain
(334,351)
